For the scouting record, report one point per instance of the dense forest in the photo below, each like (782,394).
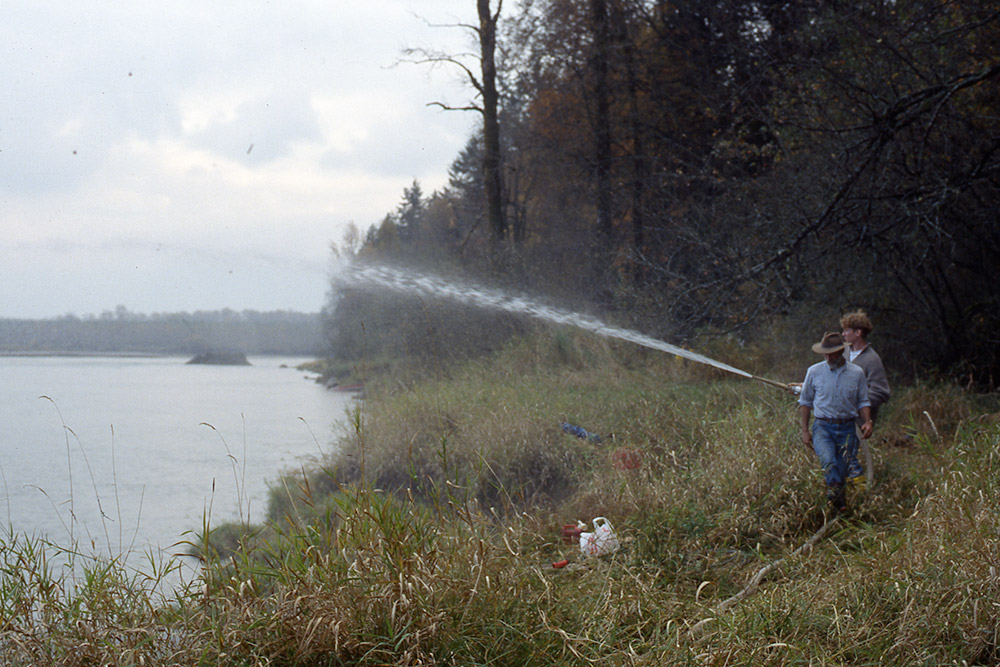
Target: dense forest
(698,168)
(122,331)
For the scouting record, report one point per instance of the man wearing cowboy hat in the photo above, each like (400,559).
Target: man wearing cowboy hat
(837,392)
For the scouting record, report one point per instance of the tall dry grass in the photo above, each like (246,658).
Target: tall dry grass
(429,539)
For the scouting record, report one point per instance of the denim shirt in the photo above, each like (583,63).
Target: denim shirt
(835,393)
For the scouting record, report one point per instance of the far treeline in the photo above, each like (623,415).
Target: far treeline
(702,168)
(249,332)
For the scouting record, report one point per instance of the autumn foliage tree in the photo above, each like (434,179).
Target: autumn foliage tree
(703,166)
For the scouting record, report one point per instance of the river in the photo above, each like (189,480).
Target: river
(126,456)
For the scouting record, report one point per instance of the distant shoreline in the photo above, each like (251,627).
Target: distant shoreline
(57,353)
(163,335)
(139,355)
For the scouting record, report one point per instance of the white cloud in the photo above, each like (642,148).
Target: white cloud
(258,128)
(201,111)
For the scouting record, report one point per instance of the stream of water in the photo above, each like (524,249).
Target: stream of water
(428,285)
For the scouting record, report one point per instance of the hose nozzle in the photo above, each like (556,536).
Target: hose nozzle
(780,385)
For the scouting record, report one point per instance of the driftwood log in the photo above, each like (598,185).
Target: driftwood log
(725,605)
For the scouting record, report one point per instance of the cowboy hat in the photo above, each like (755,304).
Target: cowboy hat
(832,342)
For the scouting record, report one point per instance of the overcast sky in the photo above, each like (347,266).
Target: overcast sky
(202,154)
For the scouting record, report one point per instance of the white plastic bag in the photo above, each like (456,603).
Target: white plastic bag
(600,542)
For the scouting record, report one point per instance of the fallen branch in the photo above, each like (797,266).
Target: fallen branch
(755,581)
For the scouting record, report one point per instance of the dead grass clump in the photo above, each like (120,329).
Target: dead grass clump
(59,607)
(928,413)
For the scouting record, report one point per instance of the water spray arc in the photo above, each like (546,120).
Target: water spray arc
(416,283)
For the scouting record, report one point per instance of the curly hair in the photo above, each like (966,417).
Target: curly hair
(857,319)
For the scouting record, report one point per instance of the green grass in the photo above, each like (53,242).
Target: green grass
(429,538)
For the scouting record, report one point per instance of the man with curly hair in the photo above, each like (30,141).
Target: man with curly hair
(856,327)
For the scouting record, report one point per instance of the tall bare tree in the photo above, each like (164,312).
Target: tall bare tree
(484,82)
(487,86)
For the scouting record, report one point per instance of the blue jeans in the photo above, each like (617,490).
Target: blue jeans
(831,442)
(854,467)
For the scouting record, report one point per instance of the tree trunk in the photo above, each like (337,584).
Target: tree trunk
(492,174)
(640,167)
(602,122)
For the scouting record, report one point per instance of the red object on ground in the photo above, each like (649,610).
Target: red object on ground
(561,563)
(571,533)
(626,459)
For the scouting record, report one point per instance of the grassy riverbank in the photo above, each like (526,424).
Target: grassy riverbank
(430,538)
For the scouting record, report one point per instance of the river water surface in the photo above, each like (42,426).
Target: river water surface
(125,455)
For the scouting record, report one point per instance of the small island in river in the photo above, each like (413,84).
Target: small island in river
(221,359)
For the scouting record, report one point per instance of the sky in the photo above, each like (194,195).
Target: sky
(203,154)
